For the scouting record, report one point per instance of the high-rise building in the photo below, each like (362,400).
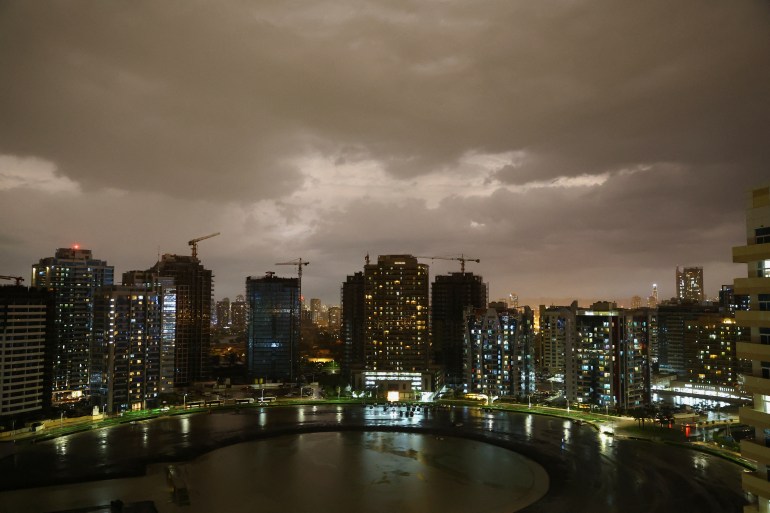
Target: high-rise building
(557,333)
(353,323)
(756,346)
(167,290)
(193,285)
(238,313)
(126,371)
(498,351)
(652,300)
(710,342)
(396,305)
(73,276)
(273,327)
(315,310)
(26,343)
(223,315)
(394,356)
(452,294)
(730,302)
(689,284)
(606,368)
(673,321)
(636,302)
(335,317)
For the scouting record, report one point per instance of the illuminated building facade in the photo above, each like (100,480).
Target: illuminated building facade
(26,343)
(335,317)
(608,363)
(396,314)
(73,277)
(193,285)
(673,321)
(498,351)
(167,290)
(557,336)
(126,361)
(689,284)
(273,328)
(385,327)
(710,342)
(451,295)
(238,313)
(223,315)
(756,344)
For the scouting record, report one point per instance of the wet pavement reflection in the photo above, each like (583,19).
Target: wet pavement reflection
(589,471)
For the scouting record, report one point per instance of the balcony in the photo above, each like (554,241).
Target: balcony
(752,417)
(752,286)
(756,484)
(752,253)
(753,318)
(755,451)
(751,351)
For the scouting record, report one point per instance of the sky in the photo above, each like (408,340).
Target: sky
(580,149)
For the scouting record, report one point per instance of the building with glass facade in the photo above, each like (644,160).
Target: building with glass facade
(273,328)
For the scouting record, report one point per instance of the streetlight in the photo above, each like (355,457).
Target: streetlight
(184,402)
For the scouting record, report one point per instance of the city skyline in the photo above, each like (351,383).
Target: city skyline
(580,151)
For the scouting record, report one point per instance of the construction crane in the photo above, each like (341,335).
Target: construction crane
(18,279)
(194,243)
(462,259)
(299,263)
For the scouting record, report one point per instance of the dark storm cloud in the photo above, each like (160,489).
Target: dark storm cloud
(624,134)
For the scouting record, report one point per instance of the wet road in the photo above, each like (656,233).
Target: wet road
(589,471)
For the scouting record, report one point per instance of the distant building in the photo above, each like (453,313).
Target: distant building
(689,284)
(126,369)
(223,315)
(636,302)
(315,311)
(756,346)
(335,317)
(26,342)
(652,300)
(273,328)
(238,313)
(73,277)
(193,284)
(452,294)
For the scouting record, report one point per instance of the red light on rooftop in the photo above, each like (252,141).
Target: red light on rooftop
(76,246)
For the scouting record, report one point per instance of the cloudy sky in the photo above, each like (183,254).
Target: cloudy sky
(579,148)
